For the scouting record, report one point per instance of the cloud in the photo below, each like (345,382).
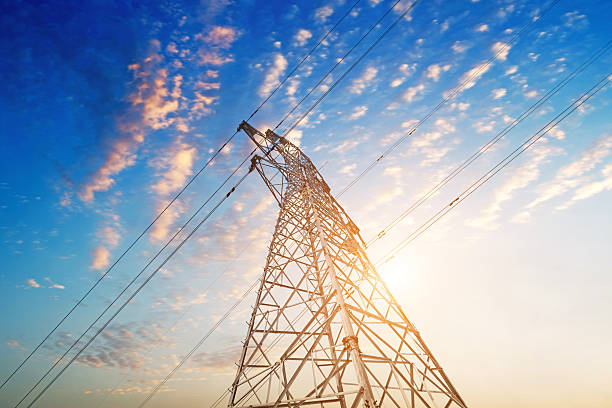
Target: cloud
(120,157)
(348,169)
(413,92)
(215,41)
(512,70)
(434,71)
(53,285)
(596,187)
(217,360)
(152,103)
(518,179)
(458,47)
(571,176)
(32,283)
(174,167)
(201,105)
(531,94)
(359,84)
(221,36)
(273,75)
(473,75)
(358,112)
(172,171)
(482,28)
(207,57)
(302,37)
(574,19)
(101,258)
(123,346)
(322,13)
(501,50)
(12,344)
(498,93)
(406,70)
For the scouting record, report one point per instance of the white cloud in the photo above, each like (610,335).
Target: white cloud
(302,37)
(596,187)
(322,13)
(474,74)
(359,84)
(482,28)
(501,50)
(174,167)
(413,92)
(458,47)
(273,75)
(498,93)
(484,126)
(572,175)
(531,94)
(434,71)
(511,70)
(32,283)
(348,169)
(101,258)
(518,179)
(358,112)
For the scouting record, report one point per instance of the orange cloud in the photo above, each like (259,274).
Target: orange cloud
(101,258)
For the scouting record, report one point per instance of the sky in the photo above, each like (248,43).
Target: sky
(108,108)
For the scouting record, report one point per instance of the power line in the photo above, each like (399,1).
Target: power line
(182,315)
(142,285)
(202,340)
(57,361)
(496,169)
(484,148)
(163,211)
(450,96)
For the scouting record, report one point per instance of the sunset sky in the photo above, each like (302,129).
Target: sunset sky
(109,108)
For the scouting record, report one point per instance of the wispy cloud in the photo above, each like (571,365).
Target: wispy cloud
(273,75)
(434,71)
(501,50)
(358,112)
(32,283)
(413,92)
(172,171)
(366,78)
(519,178)
(322,13)
(572,175)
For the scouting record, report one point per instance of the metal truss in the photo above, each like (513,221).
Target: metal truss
(325,329)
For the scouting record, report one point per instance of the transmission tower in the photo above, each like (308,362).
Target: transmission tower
(325,329)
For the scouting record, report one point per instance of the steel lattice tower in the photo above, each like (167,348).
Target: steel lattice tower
(325,330)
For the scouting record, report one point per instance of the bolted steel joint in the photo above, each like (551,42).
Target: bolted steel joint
(351,343)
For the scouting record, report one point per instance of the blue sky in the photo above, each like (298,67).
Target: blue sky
(108,108)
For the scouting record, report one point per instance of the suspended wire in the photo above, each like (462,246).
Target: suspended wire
(142,285)
(182,315)
(484,148)
(496,169)
(402,15)
(199,344)
(289,130)
(57,361)
(163,211)
(450,96)
(80,301)
(202,340)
